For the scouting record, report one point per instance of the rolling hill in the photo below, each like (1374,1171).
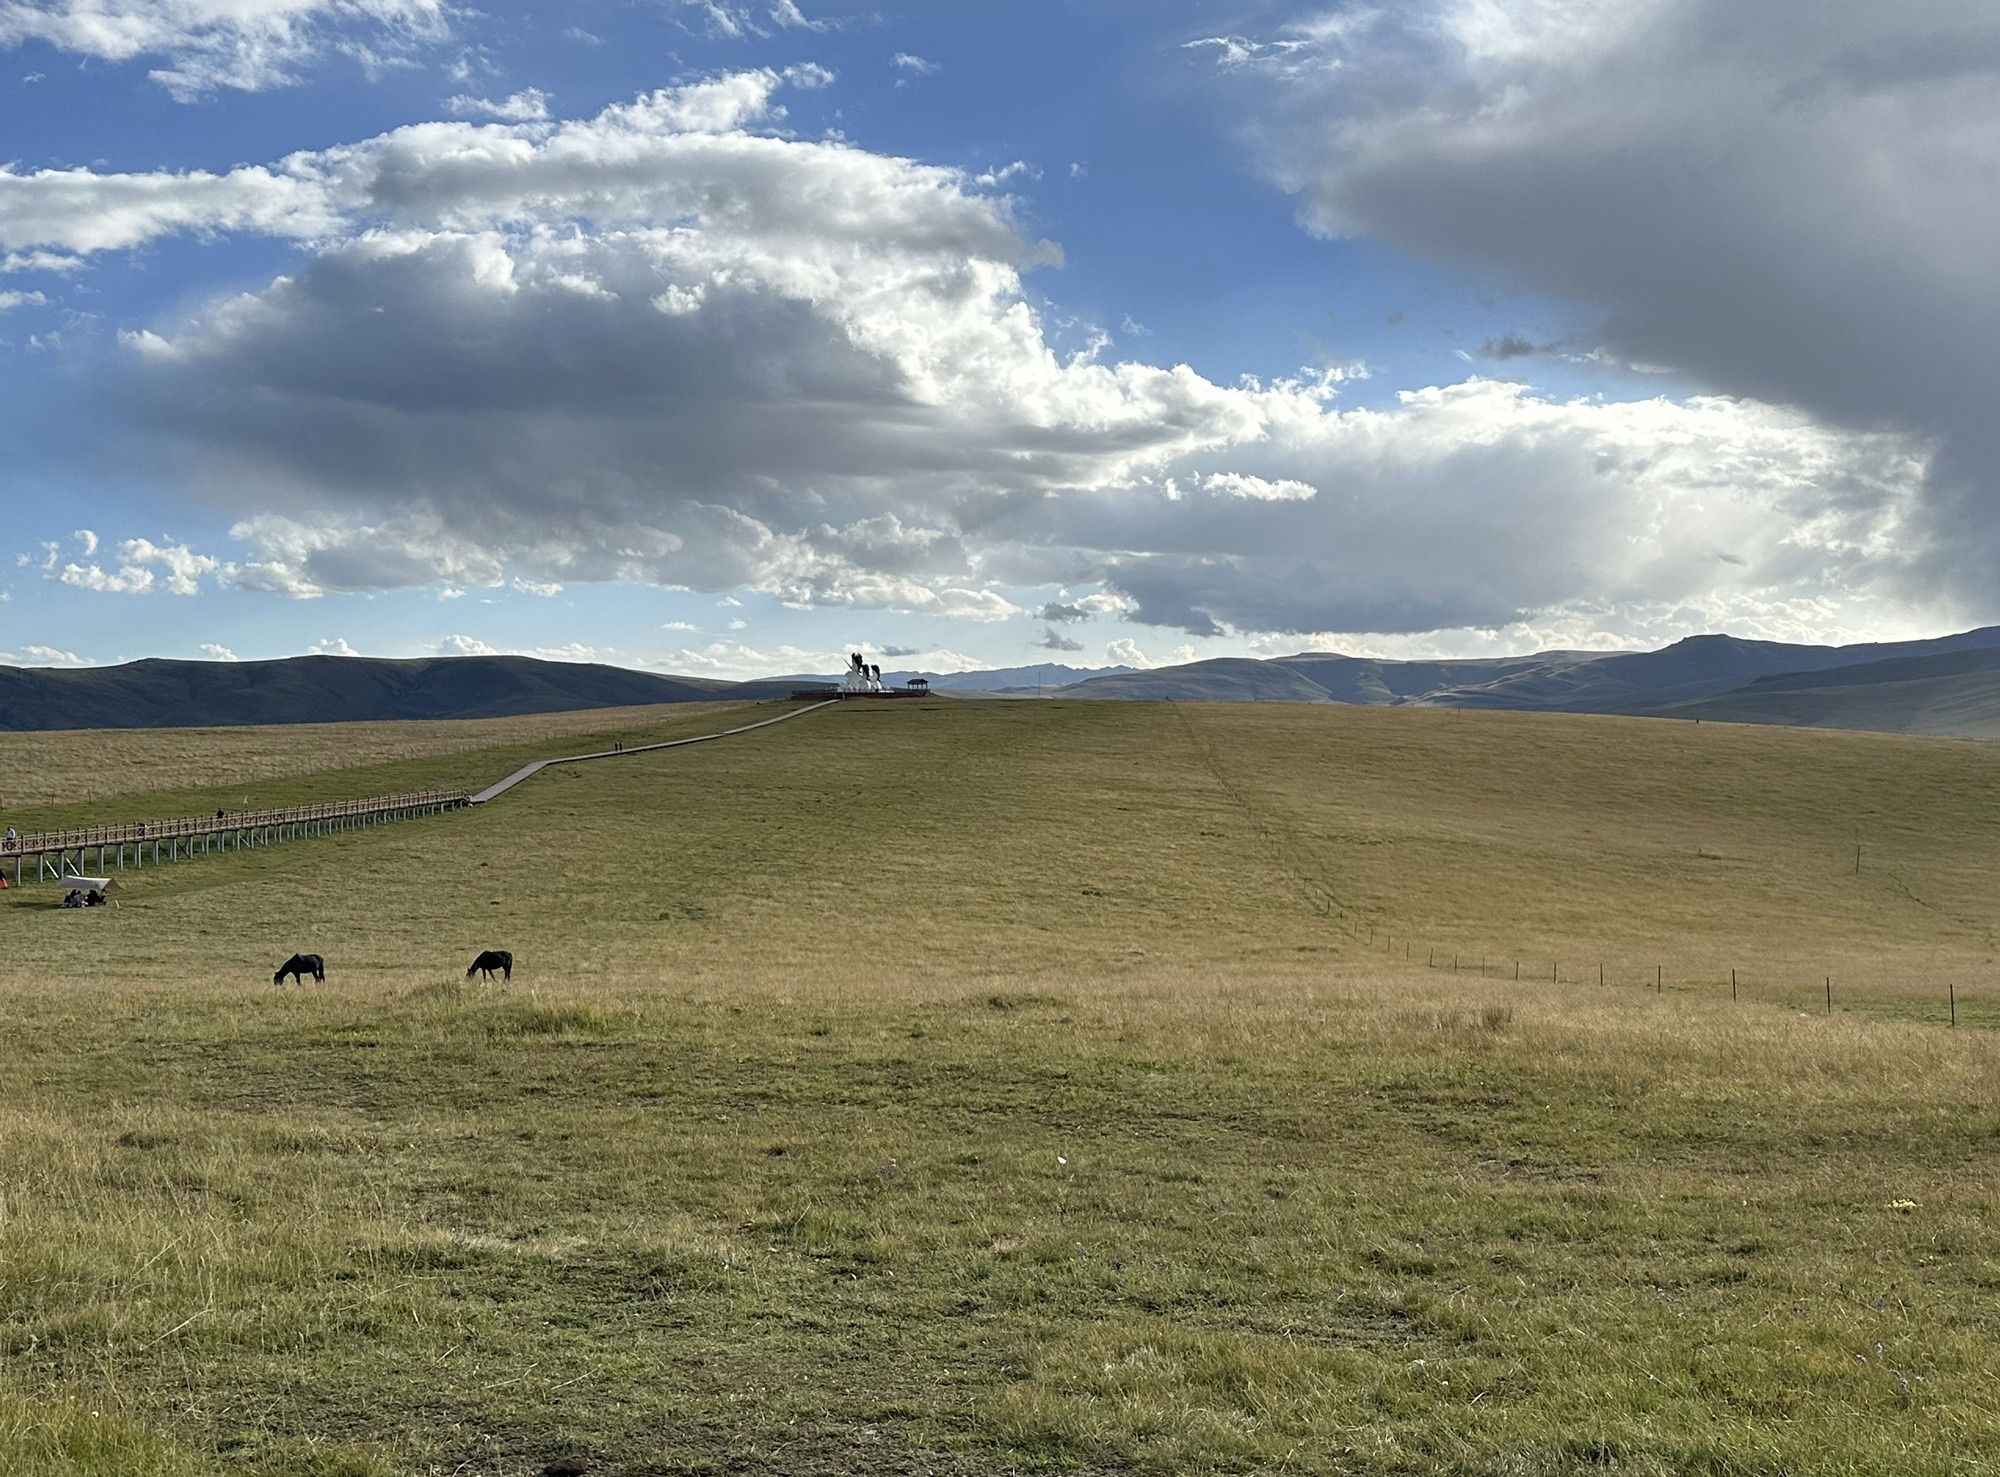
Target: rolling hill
(1949,694)
(160,693)
(1942,687)
(325,689)
(1948,686)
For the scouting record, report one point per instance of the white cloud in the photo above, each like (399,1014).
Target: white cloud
(12,300)
(1237,484)
(55,214)
(43,656)
(667,344)
(1124,652)
(332,646)
(1792,201)
(679,626)
(735,660)
(546,589)
(1480,504)
(530,105)
(903,61)
(466,646)
(181,568)
(218,653)
(205,45)
(128,581)
(786,13)
(39,261)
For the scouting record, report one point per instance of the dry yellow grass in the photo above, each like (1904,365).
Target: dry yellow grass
(984,1088)
(70,766)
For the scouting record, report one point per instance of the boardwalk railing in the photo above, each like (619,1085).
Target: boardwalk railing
(107,847)
(104,849)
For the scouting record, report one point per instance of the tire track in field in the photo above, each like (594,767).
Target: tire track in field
(1280,839)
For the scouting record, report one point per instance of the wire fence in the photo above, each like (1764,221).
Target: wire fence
(1934,997)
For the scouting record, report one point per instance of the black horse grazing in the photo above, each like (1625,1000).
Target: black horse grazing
(299,966)
(491,962)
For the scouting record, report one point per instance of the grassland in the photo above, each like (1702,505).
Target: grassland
(49,779)
(979,1088)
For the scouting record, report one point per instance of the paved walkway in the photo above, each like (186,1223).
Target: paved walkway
(540,764)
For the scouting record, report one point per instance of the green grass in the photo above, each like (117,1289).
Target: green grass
(980,1088)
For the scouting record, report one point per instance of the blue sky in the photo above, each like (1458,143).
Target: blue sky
(725,337)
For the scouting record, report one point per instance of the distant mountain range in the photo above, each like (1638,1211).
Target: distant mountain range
(1947,686)
(323,689)
(336,689)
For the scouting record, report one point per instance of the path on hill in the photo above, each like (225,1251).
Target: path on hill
(540,764)
(107,847)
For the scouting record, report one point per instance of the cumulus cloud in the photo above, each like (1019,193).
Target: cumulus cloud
(332,646)
(218,653)
(205,45)
(143,566)
(1793,201)
(670,344)
(1477,504)
(43,656)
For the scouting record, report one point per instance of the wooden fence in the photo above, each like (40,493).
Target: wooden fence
(106,848)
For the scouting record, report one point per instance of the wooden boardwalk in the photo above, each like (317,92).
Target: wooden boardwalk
(101,851)
(98,851)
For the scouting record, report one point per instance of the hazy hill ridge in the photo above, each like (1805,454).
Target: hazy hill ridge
(1949,685)
(324,689)
(160,693)
(1946,686)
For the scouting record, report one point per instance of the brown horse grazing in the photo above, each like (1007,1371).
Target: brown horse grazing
(492,962)
(298,967)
